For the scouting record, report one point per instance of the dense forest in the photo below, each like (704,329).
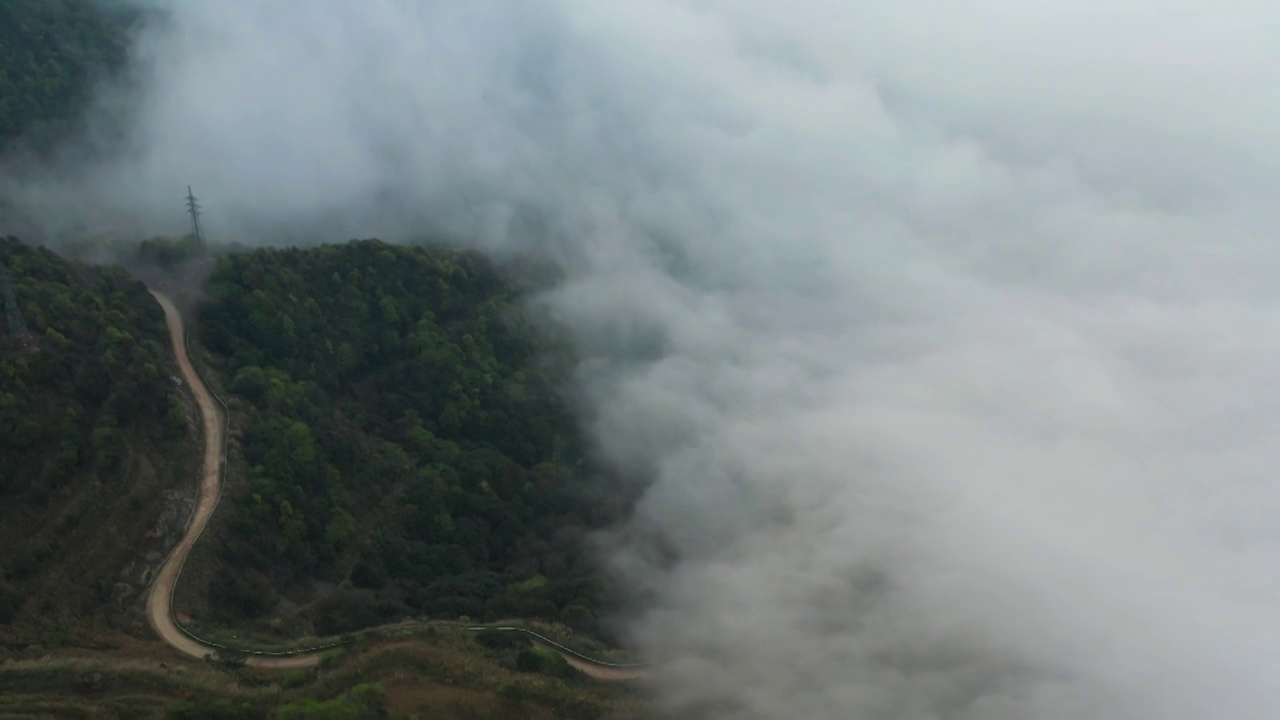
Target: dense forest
(88,421)
(51,54)
(399,434)
(402,435)
(400,446)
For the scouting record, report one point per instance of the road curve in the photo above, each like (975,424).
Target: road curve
(160,597)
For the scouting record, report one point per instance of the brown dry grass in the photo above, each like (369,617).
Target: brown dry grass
(434,673)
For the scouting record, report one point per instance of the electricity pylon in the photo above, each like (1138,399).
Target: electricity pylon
(193,209)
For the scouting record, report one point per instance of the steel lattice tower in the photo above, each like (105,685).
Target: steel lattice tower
(193,209)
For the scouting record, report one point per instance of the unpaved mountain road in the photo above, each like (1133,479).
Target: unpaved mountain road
(160,598)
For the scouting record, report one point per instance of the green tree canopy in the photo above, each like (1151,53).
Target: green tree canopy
(404,430)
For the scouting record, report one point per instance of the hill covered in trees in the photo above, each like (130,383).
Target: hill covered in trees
(51,54)
(92,435)
(401,445)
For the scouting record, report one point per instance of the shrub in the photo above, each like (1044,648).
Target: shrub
(295,679)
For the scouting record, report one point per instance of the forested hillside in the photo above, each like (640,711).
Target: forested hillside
(400,436)
(92,433)
(51,53)
(400,449)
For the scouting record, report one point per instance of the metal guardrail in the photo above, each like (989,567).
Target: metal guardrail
(222,480)
(557,646)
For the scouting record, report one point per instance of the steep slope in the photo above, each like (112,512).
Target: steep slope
(400,448)
(94,448)
(86,496)
(51,53)
(160,597)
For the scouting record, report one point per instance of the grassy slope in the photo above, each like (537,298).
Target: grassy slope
(426,674)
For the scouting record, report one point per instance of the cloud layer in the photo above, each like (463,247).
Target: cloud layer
(944,331)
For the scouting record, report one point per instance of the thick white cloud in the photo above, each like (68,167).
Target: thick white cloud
(945,330)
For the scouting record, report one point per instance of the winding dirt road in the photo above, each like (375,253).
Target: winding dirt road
(160,598)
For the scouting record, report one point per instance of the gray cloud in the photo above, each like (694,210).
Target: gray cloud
(944,331)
